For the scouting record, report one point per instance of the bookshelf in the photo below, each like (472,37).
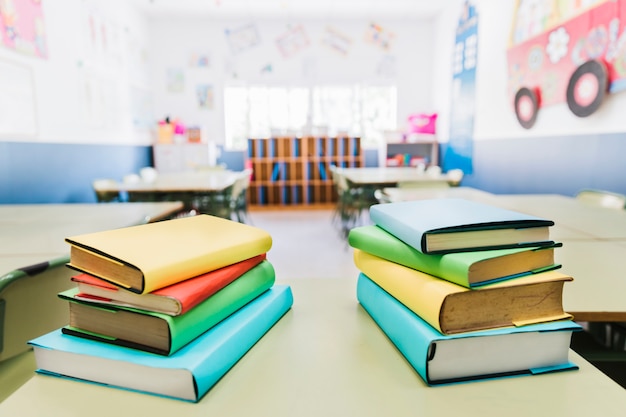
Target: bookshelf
(422,148)
(295,170)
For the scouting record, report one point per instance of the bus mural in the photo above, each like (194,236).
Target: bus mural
(571,51)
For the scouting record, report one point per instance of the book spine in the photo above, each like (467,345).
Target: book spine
(406,331)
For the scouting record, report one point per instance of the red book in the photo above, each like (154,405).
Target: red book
(173,300)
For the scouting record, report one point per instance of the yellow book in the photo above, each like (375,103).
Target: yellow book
(147,257)
(451,308)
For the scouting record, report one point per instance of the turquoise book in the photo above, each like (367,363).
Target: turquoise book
(158,332)
(187,375)
(438,359)
(468,269)
(447,225)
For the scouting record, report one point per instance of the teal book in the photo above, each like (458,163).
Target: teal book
(468,269)
(438,359)
(186,375)
(448,225)
(161,333)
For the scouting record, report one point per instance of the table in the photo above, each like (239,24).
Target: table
(326,357)
(390,176)
(207,192)
(33,254)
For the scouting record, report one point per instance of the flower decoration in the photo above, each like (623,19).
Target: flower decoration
(557,44)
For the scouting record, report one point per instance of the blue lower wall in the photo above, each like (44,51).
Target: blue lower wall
(561,165)
(62,173)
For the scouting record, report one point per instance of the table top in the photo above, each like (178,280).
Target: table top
(201,181)
(389,175)
(598,222)
(34,233)
(326,357)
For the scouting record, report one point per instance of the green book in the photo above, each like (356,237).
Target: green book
(161,333)
(469,269)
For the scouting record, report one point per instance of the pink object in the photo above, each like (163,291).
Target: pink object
(422,123)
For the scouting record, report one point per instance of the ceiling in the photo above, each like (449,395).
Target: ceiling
(293,8)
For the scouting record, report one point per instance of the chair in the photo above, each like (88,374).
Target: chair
(381,197)
(29,306)
(102,189)
(239,196)
(351,201)
(602,198)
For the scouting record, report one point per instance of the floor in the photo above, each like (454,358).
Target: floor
(308,243)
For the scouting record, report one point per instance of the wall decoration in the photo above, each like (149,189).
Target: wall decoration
(22,27)
(291,42)
(461,142)
(565,52)
(379,36)
(267,69)
(175,82)
(337,41)
(18,116)
(243,38)
(205,96)
(199,60)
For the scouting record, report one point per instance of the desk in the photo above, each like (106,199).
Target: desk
(326,357)
(597,222)
(32,239)
(390,176)
(203,192)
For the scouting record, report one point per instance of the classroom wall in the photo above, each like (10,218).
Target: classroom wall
(176,42)
(95,106)
(561,153)
(81,106)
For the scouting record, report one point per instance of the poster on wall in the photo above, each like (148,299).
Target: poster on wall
(22,27)
(175,81)
(200,60)
(379,36)
(292,41)
(461,143)
(337,41)
(243,38)
(204,94)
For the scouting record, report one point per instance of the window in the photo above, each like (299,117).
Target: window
(263,111)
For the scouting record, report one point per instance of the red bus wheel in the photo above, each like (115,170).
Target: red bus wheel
(526,107)
(587,88)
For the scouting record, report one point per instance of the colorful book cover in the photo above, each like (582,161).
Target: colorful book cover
(438,359)
(186,375)
(469,269)
(151,256)
(451,308)
(174,300)
(181,329)
(452,225)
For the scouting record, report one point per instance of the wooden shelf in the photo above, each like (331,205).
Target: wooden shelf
(296,170)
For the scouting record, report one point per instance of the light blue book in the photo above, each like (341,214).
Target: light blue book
(439,359)
(447,225)
(187,375)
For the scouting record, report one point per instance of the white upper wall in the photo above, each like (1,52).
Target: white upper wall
(83,90)
(406,63)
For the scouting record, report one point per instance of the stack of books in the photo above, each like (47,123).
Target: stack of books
(464,290)
(165,308)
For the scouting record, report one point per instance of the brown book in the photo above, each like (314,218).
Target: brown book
(451,308)
(162,333)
